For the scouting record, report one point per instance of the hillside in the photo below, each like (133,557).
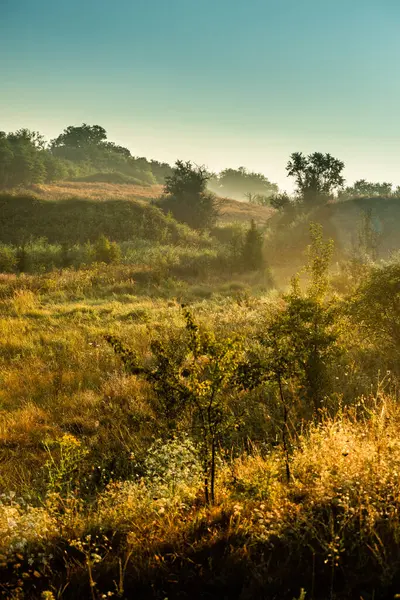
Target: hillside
(231,210)
(78,220)
(93,191)
(234,210)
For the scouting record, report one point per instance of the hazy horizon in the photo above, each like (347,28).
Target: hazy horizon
(222,85)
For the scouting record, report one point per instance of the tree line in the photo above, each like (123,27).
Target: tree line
(80,153)
(84,153)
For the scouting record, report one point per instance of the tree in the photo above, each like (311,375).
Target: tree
(160,170)
(80,137)
(6,156)
(238,183)
(115,149)
(186,179)
(252,253)
(28,137)
(317,176)
(366,189)
(198,379)
(186,197)
(25,153)
(302,339)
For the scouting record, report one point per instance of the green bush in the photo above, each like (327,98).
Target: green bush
(106,251)
(376,304)
(8,259)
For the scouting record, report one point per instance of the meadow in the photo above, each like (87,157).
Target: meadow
(176,424)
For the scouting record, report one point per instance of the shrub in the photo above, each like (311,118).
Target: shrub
(8,259)
(106,251)
(281,201)
(376,304)
(196,380)
(186,197)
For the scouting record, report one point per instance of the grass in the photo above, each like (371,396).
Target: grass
(69,414)
(99,498)
(334,528)
(93,191)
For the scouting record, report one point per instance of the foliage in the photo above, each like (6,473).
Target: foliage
(195,380)
(367,189)
(369,238)
(104,470)
(8,259)
(89,144)
(252,251)
(22,158)
(186,179)
(281,201)
(186,196)
(317,176)
(302,339)
(82,136)
(376,304)
(106,251)
(64,464)
(239,183)
(79,152)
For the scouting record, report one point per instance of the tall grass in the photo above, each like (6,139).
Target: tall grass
(100,497)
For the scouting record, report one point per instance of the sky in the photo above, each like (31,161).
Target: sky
(223,83)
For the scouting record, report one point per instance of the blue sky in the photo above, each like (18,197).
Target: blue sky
(221,82)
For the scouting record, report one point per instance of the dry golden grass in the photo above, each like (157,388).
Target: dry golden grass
(230,210)
(233,210)
(335,525)
(93,191)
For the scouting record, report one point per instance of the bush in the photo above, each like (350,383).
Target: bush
(8,259)
(106,251)
(376,304)
(281,201)
(186,197)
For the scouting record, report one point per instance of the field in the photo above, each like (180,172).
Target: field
(243,445)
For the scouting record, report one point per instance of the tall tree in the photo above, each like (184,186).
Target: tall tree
(317,176)
(80,137)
